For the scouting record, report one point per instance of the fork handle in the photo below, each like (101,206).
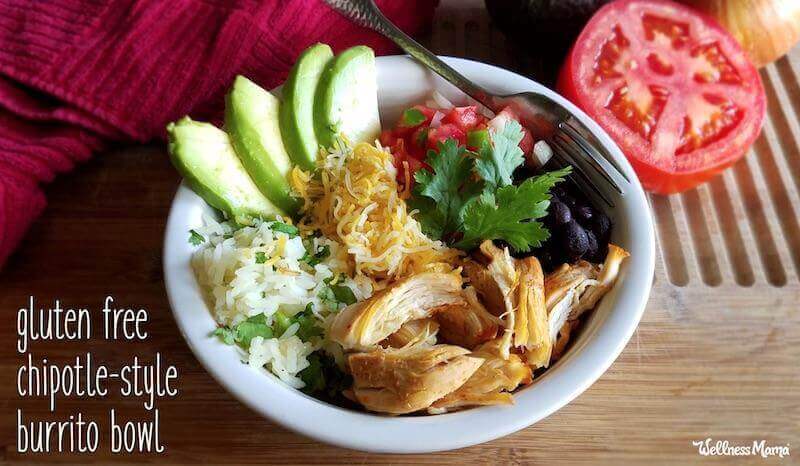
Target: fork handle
(366,13)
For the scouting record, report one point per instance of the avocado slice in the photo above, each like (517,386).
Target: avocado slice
(203,154)
(347,98)
(251,118)
(297,109)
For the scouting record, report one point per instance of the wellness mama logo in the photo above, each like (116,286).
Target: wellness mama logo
(711,447)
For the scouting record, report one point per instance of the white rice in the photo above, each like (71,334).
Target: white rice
(285,357)
(237,287)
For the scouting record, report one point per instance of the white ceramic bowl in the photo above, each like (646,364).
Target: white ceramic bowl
(402,82)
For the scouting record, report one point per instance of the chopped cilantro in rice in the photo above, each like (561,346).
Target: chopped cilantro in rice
(272,290)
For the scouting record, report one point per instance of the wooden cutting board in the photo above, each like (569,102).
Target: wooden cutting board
(716,354)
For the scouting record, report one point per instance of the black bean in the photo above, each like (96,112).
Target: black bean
(560,213)
(574,240)
(591,251)
(568,200)
(601,226)
(583,214)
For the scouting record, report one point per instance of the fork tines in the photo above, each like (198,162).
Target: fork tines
(591,168)
(591,147)
(565,153)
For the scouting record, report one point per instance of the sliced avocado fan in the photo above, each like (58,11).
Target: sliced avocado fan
(297,108)
(251,118)
(346,100)
(203,154)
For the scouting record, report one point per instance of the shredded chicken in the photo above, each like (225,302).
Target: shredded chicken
(364,324)
(492,383)
(496,284)
(531,323)
(522,321)
(569,291)
(564,334)
(468,324)
(605,277)
(560,282)
(400,381)
(415,332)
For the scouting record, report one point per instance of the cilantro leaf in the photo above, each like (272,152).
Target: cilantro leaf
(336,294)
(313,376)
(431,219)
(308,324)
(453,205)
(243,334)
(412,117)
(255,326)
(510,213)
(290,230)
(324,376)
(448,187)
(326,296)
(226,334)
(195,238)
(343,294)
(313,259)
(261,257)
(497,161)
(306,320)
(280,323)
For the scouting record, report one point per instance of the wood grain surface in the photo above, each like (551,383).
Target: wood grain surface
(716,354)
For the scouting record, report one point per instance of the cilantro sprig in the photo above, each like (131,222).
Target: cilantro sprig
(496,162)
(510,213)
(469,197)
(440,195)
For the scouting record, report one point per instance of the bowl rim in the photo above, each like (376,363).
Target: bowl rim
(588,359)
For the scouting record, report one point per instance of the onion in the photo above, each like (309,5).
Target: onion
(441,101)
(542,153)
(766,29)
(436,121)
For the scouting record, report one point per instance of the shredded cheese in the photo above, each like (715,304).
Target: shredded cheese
(354,198)
(407,180)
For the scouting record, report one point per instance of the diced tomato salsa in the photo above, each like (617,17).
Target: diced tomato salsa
(420,129)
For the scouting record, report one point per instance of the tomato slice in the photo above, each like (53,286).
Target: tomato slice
(670,86)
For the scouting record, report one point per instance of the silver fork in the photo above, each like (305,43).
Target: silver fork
(572,142)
